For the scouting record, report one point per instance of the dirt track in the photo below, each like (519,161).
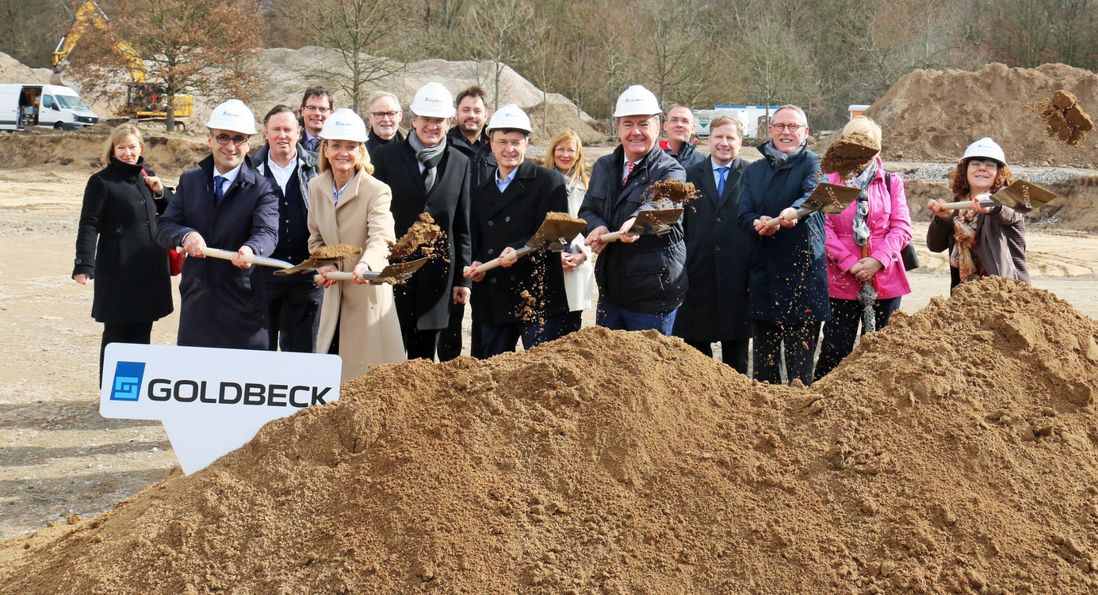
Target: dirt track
(58,457)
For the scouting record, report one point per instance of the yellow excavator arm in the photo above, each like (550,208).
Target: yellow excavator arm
(89,14)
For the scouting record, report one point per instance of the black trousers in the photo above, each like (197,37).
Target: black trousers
(842,330)
(733,352)
(293,312)
(123,332)
(795,340)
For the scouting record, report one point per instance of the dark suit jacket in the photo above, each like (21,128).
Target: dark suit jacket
(221,305)
(428,291)
(510,219)
(116,244)
(718,257)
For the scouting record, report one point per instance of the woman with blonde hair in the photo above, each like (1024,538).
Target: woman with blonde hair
(116,243)
(984,240)
(358,321)
(565,154)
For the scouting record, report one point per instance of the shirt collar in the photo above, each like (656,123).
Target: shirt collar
(230,175)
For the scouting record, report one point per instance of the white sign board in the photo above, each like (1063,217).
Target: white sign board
(212,401)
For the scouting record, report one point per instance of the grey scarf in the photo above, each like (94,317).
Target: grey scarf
(771,151)
(429,157)
(861,215)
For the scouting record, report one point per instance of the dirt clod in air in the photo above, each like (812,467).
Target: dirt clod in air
(671,194)
(849,155)
(1064,118)
(423,239)
(953,451)
(335,251)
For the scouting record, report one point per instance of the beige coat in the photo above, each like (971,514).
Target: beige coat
(369,330)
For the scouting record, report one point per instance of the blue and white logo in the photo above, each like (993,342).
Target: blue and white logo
(127,381)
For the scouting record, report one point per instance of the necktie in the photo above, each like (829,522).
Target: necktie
(312,143)
(723,171)
(219,187)
(629,167)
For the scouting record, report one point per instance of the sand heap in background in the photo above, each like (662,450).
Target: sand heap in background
(955,451)
(168,154)
(933,115)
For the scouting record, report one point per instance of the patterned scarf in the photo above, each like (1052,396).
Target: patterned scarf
(965,227)
(861,215)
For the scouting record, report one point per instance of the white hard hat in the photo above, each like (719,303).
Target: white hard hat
(637,101)
(510,116)
(233,116)
(986,148)
(344,124)
(433,100)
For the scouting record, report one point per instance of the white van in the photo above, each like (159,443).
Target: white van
(23,105)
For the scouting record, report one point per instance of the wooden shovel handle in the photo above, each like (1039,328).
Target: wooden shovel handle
(495,262)
(776,221)
(963,204)
(253,259)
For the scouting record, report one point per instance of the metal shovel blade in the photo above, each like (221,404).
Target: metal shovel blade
(1023,195)
(830,198)
(656,222)
(309,264)
(556,232)
(396,272)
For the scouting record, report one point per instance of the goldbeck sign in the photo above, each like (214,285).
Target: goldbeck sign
(212,401)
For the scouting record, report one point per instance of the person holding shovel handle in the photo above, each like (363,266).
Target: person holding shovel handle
(865,273)
(358,321)
(983,240)
(116,243)
(523,299)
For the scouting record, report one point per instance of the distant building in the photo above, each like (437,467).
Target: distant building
(751,117)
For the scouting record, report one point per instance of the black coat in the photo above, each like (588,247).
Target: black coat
(510,219)
(788,269)
(132,283)
(221,305)
(373,142)
(648,275)
(482,163)
(718,256)
(429,290)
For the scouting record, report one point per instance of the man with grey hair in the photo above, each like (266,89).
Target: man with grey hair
(788,277)
(383,117)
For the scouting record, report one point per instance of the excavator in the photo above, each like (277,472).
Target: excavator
(144,100)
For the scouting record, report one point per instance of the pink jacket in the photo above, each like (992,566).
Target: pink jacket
(889,232)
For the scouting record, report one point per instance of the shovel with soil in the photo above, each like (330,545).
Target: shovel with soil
(656,222)
(424,238)
(1018,195)
(849,155)
(323,256)
(668,197)
(826,198)
(393,274)
(553,235)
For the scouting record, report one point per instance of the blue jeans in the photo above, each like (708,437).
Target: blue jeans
(501,338)
(620,319)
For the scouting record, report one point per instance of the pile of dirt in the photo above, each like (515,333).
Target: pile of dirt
(933,115)
(168,154)
(14,71)
(953,451)
(1064,118)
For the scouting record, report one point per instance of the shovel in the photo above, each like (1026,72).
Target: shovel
(393,273)
(656,222)
(1018,194)
(229,255)
(826,198)
(554,234)
(309,264)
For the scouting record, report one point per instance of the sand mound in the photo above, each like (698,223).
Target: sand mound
(169,155)
(627,462)
(933,115)
(14,71)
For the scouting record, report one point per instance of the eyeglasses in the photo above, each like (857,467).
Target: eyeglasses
(789,127)
(223,139)
(317,108)
(980,163)
(380,115)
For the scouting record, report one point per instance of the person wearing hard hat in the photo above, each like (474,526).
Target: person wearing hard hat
(986,239)
(641,279)
(679,129)
(788,280)
(225,203)
(468,135)
(426,174)
(358,321)
(384,119)
(525,298)
(293,301)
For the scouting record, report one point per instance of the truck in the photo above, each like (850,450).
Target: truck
(27,105)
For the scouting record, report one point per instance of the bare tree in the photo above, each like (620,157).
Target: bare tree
(499,32)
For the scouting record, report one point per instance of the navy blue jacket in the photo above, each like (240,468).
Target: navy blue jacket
(688,155)
(788,278)
(648,275)
(221,305)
